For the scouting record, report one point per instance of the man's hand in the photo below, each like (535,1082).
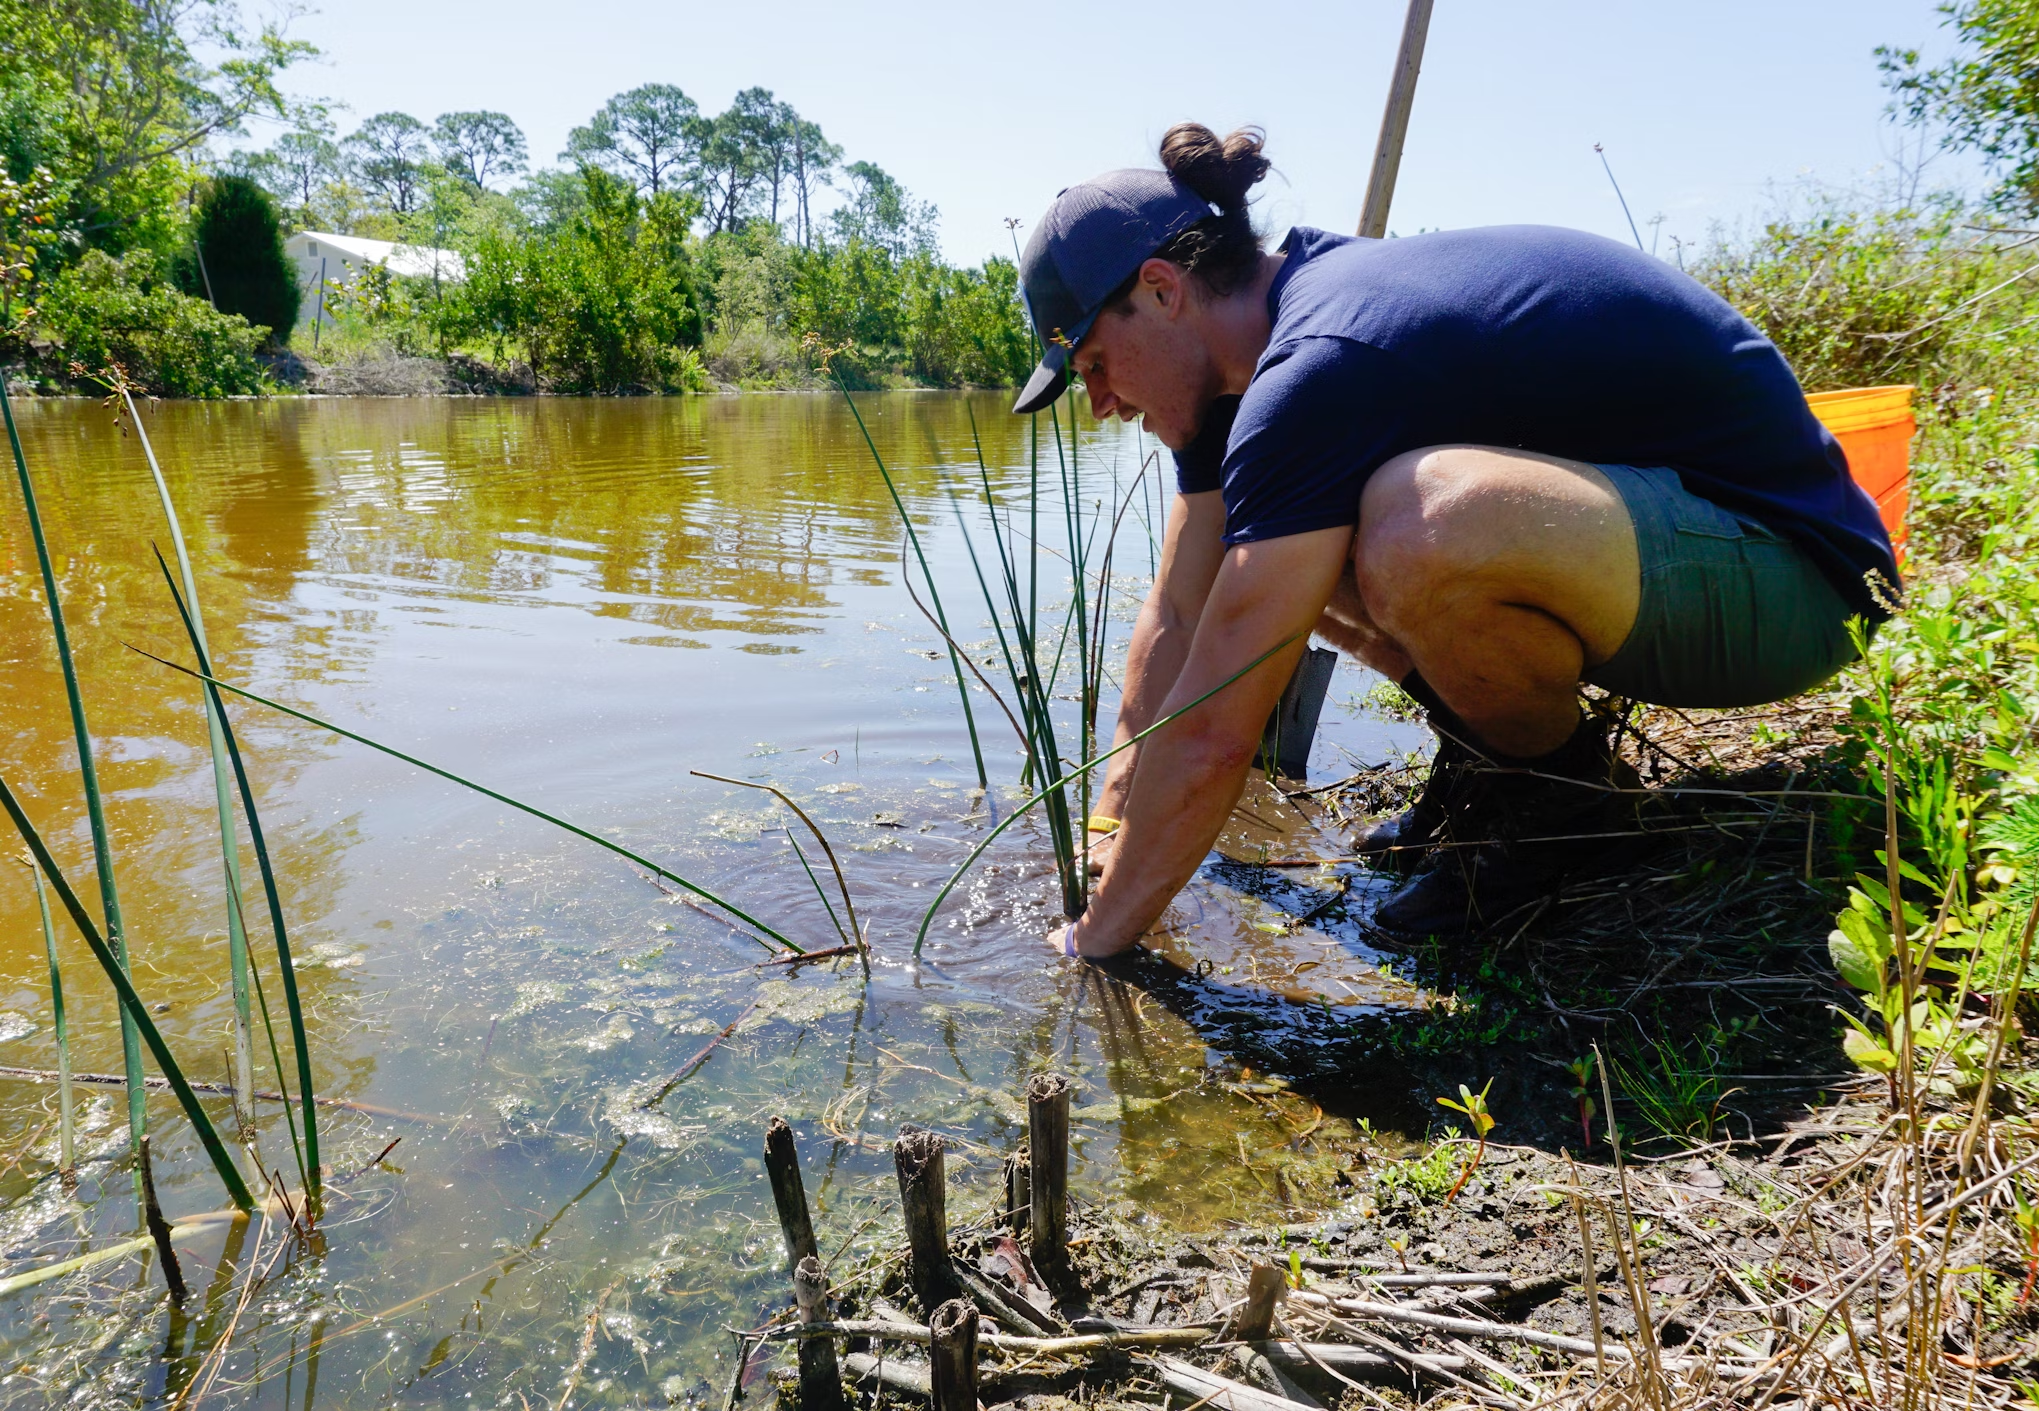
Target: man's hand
(1192,769)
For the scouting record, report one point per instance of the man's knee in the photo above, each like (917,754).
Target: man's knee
(1412,521)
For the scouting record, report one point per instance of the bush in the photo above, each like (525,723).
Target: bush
(105,311)
(1858,300)
(246,270)
(605,304)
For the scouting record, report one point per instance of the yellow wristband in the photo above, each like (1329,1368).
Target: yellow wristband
(1098,823)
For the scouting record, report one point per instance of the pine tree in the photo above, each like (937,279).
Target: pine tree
(246,268)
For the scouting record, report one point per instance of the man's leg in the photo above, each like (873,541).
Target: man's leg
(1486,582)
(1502,577)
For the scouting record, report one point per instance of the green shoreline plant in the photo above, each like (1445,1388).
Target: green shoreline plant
(95,812)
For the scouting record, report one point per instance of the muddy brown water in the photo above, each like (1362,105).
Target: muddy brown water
(578,602)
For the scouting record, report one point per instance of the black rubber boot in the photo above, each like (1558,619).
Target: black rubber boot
(1402,840)
(1513,832)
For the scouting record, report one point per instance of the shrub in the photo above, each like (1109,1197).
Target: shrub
(1857,300)
(605,304)
(104,311)
(246,269)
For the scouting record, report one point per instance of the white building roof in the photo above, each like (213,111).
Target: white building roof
(422,261)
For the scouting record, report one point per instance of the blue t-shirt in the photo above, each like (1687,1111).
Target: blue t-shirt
(1534,337)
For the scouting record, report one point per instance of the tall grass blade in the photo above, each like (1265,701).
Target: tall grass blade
(555,820)
(853,936)
(131,1004)
(95,812)
(307,1154)
(927,576)
(67,1114)
(229,844)
(1057,784)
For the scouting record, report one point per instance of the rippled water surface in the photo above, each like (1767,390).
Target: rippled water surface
(578,602)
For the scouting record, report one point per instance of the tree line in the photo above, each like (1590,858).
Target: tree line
(667,248)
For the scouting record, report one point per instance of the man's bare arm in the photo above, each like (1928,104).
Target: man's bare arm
(1191,770)
(1192,548)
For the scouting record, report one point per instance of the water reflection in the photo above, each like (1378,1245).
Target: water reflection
(481,583)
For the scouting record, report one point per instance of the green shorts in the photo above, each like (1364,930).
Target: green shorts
(1732,613)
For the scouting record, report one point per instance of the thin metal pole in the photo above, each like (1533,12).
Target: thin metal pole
(319,317)
(1387,157)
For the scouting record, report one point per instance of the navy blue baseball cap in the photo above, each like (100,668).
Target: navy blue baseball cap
(1093,238)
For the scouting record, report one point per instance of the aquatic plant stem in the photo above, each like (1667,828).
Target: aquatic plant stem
(229,844)
(927,575)
(95,812)
(67,1116)
(855,933)
(926,920)
(308,1155)
(579,832)
(131,1004)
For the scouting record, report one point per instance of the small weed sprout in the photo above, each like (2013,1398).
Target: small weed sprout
(1581,1071)
(1474,1106)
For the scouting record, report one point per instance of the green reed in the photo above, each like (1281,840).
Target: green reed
(307,1152)
(1057,785)
(927,576)
(67,1115)
(95,812)
(1010,588)
(482,789)
(131,1006)
(229,845)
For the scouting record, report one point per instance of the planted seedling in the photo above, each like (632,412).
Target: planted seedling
(1474,1106)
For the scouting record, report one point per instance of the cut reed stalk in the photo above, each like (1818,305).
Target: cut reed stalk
(307,1154)
(95,812)
(67,1116)
(223,807)
(131,1004)
(555,820)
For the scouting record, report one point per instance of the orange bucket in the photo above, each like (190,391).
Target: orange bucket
(1874,426)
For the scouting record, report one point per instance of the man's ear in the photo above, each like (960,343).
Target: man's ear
(1164,284)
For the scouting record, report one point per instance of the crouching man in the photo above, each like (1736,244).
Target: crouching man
(1491,464)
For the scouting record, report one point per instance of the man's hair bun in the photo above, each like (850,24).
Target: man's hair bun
(1222,170)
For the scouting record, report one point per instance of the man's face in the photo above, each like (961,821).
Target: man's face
(1149,361)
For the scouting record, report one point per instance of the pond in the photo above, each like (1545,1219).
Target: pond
(577,603)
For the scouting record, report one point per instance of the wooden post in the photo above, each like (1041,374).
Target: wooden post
(159,1228)
(821,1383)
(1387,157)
(1048,1171)
(782,1164)
(1019,1197)
(952,1355)
(1265,1287)
(917,1154)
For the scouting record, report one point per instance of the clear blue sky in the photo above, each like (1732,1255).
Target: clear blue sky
(1707,112)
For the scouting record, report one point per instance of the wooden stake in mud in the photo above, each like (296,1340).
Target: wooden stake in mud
(923,1190)
(1048,1171)
(159,1228)
(789,1193)
(952,1355)
(1019,1197)
(1264,1289)
(821,1383)
(1387,157)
